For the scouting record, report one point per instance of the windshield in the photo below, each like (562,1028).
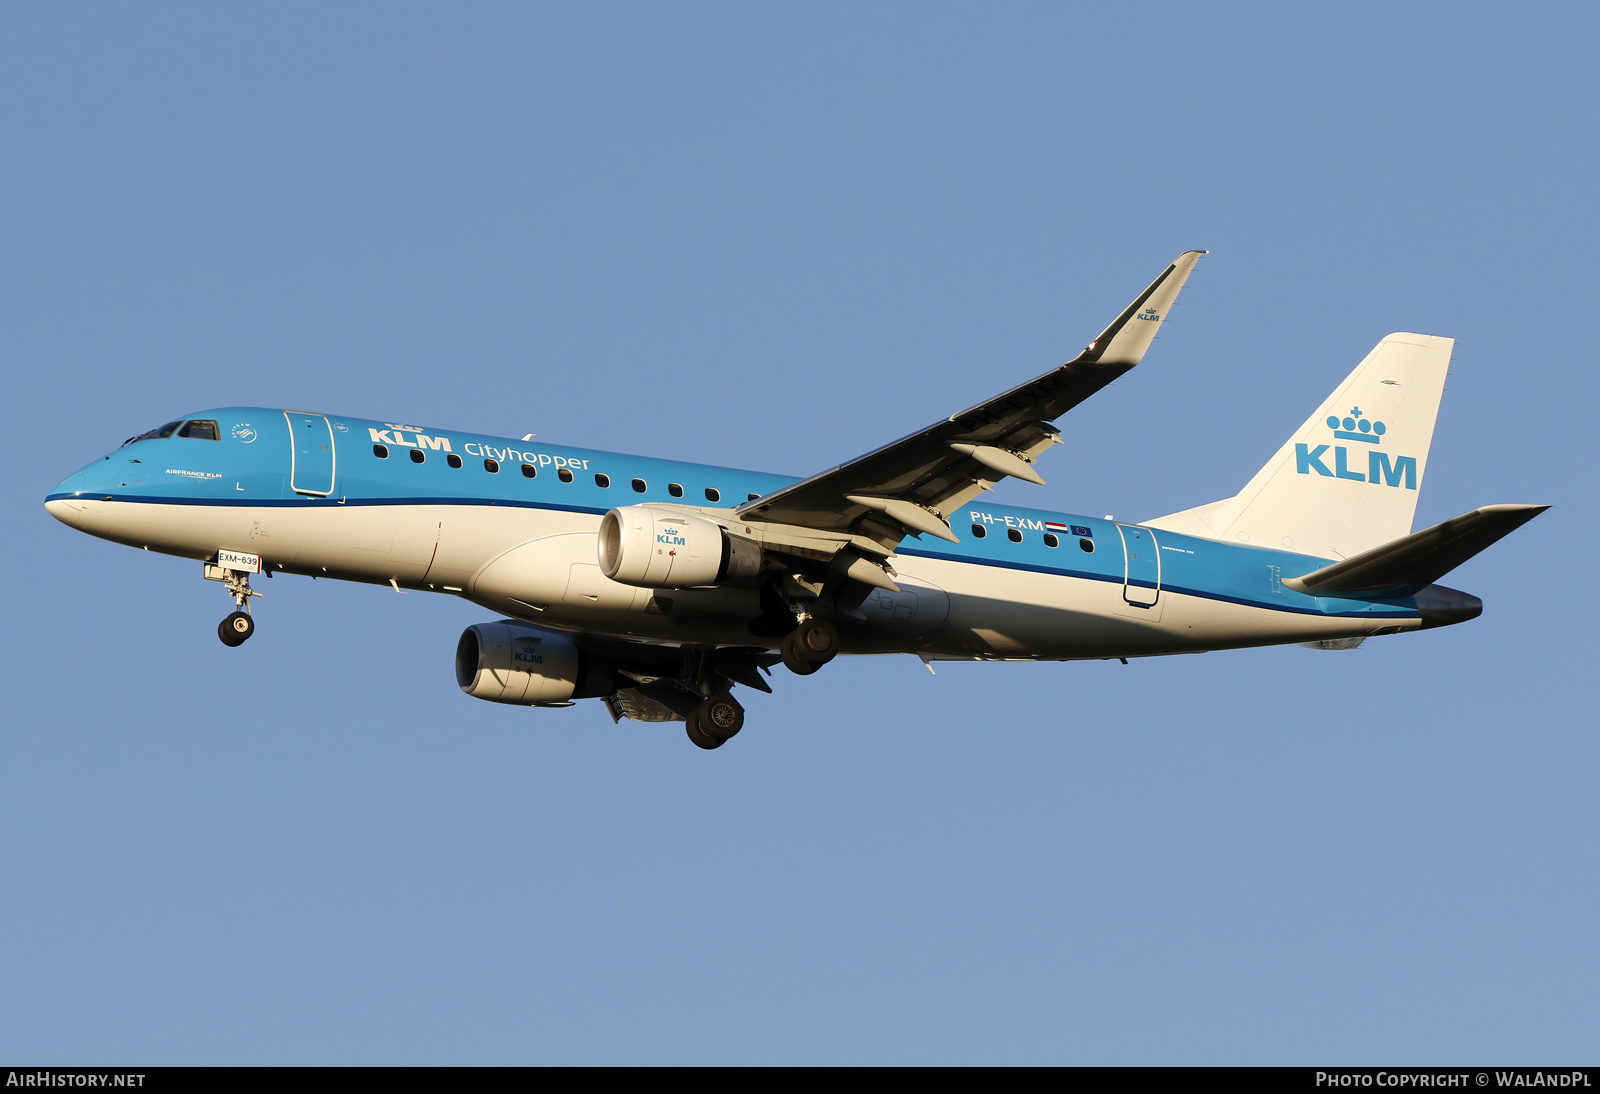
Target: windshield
(154,434)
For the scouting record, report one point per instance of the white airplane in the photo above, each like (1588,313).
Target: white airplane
(657,586)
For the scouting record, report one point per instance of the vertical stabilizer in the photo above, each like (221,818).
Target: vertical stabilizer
(1348,479)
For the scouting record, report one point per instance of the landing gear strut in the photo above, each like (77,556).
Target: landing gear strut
(238,626)
(810,646)
(712,722)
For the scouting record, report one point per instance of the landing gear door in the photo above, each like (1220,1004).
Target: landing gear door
(311,452)
(1141,582)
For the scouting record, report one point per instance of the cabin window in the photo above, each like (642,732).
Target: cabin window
(200,431)
(713,494)
(381,451)
(602,481)
(1050,540)
(492,466)
(1014,535)
(1087,545)
(639,486)
(978,531)
(417,456)
(453,460)
(529,471)
(564,474)
(675,490)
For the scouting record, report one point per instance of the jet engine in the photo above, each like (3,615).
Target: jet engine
(508,662)
(663,549)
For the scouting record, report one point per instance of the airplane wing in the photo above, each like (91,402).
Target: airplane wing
(913,485)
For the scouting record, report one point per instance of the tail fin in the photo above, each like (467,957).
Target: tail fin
(1347,481)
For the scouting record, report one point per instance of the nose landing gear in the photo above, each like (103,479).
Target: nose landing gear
(238,626)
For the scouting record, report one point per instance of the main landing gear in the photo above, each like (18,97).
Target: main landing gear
(810,646)
(714,721)
(238,626)
(805,650)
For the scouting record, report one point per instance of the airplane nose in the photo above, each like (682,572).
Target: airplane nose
(69,511)
(72,500)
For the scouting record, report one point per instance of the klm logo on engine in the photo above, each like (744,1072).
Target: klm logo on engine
(1355,427)
(396,435)
(527,653)
(672,537)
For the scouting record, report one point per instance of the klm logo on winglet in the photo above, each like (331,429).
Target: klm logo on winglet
(1355,427)
(1148,315)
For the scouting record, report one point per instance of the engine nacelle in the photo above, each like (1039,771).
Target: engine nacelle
(511,663)
(663,549)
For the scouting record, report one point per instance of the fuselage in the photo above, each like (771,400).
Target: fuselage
(512,525)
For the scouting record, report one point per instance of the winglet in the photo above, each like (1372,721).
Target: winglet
(1124,342)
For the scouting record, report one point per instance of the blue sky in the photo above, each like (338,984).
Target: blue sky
(778,237)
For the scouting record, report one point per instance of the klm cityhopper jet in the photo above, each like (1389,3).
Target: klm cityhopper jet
(656,586)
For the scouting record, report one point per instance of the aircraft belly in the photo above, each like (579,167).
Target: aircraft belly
(1003,613)
(894,622)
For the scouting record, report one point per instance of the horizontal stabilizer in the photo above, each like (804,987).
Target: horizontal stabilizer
(1411,563)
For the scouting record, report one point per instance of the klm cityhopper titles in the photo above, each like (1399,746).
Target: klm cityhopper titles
(657,586)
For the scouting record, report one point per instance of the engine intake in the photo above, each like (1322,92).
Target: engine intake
(511,663)
(663,549)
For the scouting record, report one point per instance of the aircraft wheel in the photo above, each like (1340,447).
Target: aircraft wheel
(700,737)
(720,716)
(793,661)
(235,629)
(810,646)
(817,640)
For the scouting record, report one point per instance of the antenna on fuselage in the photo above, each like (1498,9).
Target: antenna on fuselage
(530,436)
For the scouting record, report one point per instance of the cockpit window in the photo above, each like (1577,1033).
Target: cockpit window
(202,431)
(155,434)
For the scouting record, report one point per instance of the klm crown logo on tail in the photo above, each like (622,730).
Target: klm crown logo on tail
(1355,427)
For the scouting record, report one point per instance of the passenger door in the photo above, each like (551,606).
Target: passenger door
(311,453)
(1141,581)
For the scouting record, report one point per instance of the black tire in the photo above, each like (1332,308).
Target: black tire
(700,737)
(720,716)
(792,660)
(817,640)
(236,629)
